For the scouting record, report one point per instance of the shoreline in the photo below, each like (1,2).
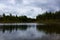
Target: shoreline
(22,24)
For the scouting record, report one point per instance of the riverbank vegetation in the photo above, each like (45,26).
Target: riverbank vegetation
(47,17)
(15,19)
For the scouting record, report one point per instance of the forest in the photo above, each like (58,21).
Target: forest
(15,19)
(47,17)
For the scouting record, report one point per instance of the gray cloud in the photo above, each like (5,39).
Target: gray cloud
(25,6)
(18,1)
(48,4)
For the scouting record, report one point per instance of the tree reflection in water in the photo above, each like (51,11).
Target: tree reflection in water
(10,28)
(50,28)
(30,32)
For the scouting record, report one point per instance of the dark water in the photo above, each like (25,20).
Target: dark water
(31,31)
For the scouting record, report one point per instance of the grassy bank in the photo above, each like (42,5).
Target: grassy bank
(49,21)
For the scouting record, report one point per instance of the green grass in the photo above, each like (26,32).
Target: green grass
(49,21)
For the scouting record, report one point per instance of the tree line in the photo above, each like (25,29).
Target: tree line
(15,19)
(47,16)
(55,16)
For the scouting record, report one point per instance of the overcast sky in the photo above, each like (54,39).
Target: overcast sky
(30,8)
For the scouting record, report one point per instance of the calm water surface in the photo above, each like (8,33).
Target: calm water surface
(29,31)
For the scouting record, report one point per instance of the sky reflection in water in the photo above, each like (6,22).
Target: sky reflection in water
(26,32)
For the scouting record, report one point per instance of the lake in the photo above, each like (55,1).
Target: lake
(29,31)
